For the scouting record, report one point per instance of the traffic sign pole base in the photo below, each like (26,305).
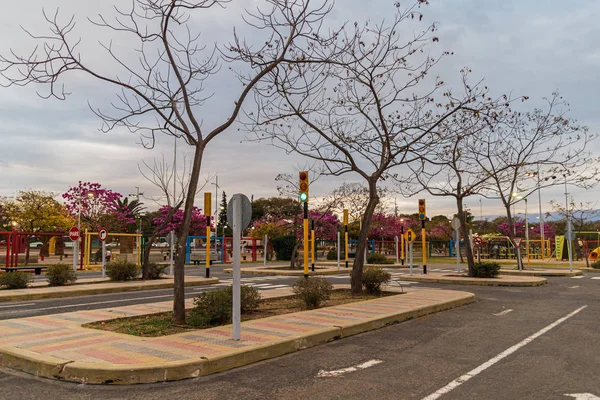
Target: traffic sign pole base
(208,272)
(313,267)
(306,276)
(346,264)
(425,269)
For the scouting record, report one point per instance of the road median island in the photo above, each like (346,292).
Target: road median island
(456,279)
(57,346)
(97,287)
(540,272)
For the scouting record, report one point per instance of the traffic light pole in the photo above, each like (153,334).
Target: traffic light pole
(424,246)
(402,244)
(312,244)
(306,246)
(346,237)
(207,213)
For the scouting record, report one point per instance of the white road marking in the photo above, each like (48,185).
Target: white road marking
(474,372)
(18,305)
(338,372)
(577,277)
(573,287)
(596,277)
(583,396)
(505,312)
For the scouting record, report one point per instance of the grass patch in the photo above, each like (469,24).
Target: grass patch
(159,324)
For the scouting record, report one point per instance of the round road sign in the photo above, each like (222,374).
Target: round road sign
(102,234)
(74,233)
(477,241)
(246,211)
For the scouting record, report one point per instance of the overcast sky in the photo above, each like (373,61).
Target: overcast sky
(527,47)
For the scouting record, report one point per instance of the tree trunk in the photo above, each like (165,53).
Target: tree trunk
(465,234)
(179,273)
(359,259)
(148,249)
(512,234)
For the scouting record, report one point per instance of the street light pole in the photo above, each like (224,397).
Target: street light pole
(527,230)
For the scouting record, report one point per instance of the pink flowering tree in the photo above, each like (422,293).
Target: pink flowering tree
(98,206)
(197,227)
(504,228)
(326,224)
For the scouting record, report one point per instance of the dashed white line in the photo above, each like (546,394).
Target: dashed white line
(577,277)
(504,312)
(573,287)
(338,372)
(474,372)
(596,277)
(18,305)
(583,396)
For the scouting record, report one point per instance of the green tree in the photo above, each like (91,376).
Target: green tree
(222,227)
(38,211)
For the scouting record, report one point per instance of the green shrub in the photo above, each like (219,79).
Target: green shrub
(486,270)
(155,271)
(312,291)
(284,247)
(332,254)
(211,308)
(14,280)
(596,264)
(61,275)
(377,258)
(250,298)
(373,278)
(215,307)
(122,270)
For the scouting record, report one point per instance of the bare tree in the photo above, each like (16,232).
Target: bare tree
(165,177)
(164,91)
(454,166)
(543,143)
(367,108)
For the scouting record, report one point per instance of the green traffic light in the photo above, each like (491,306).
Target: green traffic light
(303,197)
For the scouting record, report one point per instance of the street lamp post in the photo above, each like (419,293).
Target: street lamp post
(527,230)
(77,245)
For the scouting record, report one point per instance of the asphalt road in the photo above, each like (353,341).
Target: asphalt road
(551,334)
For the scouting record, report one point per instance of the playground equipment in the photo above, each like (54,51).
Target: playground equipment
(91,238)
(594,254)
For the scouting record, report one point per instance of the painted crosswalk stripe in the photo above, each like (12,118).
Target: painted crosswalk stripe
(577,277)
(596,277)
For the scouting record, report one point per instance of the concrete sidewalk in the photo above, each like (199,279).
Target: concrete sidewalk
(456,279)
(56,346)
(41,290)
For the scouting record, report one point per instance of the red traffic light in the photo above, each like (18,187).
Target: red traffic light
(303,176)
(421,202)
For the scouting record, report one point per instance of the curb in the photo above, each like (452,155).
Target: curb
(81,372)
(530,272)
(477,281)
(100,290)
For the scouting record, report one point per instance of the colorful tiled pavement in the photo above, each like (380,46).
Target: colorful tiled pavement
(57,346)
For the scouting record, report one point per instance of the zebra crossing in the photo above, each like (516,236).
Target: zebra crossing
(257,283)
(585,276)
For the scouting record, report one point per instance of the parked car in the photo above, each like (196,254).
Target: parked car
(112,244)
(35,245)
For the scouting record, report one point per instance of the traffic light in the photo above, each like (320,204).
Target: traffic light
(422,213)
(304,186)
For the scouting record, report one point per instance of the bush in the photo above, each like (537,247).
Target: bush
(155,271)
(61,275)
(284,246)
(215,307)
(332,254)
(312,291)
(122,270)
(14,280)
(486,270)
(250,298)
(596,264)
(377,258)
(373,278)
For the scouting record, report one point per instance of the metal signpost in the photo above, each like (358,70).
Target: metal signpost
(264,249)
(570,237)
(338,250)
(410,237)
(102,235)
(423,218)
(456,227)
(239,214)
(396,247)
(478,242)
(207,214)
(517,242)
(74,235)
